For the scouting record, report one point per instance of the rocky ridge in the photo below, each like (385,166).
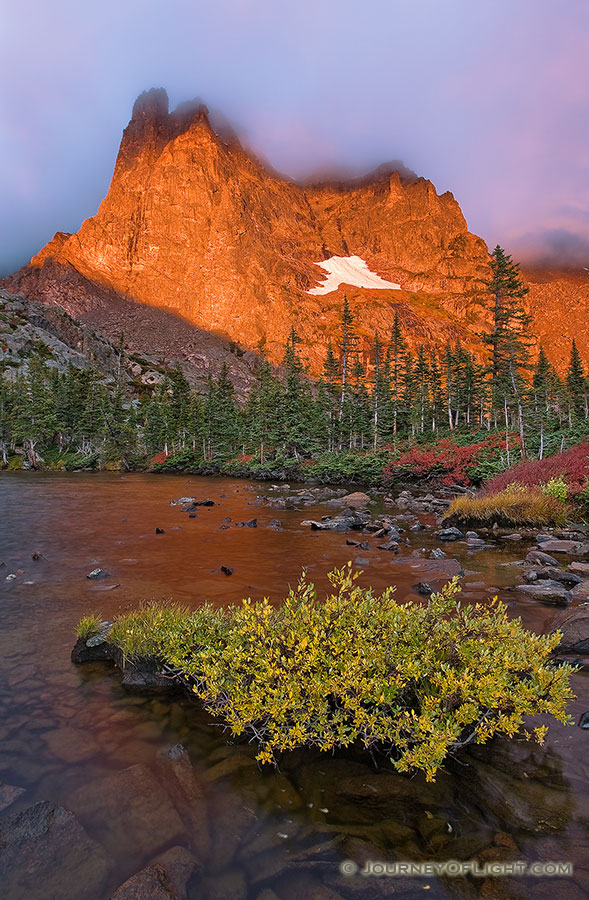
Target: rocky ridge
(198,229)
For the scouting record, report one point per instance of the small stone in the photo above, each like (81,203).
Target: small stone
(424,588)
(392,546)
(361,561)
(471,534)
(97,639)
(560,546)
(357,498)
(438,553)
(539,558)
(226,570)
(449,534)
(98,573)
(551,592)
(580,592)
(160,531)
(513,537)
(584,721)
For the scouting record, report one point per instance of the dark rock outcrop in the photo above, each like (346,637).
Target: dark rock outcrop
(46,845)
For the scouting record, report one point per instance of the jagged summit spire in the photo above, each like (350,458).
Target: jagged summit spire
(153,103)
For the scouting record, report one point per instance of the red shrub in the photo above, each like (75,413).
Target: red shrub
(243,458)
(446,461)
(158,459)
(572,465)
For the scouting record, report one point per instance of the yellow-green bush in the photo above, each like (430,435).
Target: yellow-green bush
(557,488)
(514,505)
(419,681)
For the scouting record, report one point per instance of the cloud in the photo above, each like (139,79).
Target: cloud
(489,99)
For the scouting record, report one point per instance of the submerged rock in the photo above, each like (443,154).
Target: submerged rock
(132,811)
(164,879)
(8,794)
(435,569)
(145,675)
(46,845)
(69,744)
(188,793)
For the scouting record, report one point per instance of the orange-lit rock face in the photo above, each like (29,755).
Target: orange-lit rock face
(194,224)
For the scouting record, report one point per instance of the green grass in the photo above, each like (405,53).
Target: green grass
(88,626)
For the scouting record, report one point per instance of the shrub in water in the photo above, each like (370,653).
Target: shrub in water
(418,681)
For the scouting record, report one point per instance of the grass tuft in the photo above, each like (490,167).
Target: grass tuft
(514,505)
(88,626)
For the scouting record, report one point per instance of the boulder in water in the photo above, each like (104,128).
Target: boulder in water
(46,845)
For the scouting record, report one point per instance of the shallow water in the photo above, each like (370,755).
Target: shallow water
(69,734)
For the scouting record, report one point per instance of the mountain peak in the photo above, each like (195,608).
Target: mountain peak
(194,224)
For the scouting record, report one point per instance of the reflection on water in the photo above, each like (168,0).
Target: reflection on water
(74,736)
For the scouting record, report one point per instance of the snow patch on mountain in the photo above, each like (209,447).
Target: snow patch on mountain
(350,270)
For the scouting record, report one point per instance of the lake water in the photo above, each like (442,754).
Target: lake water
(73,735)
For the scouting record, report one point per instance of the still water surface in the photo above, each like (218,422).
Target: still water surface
(70,734)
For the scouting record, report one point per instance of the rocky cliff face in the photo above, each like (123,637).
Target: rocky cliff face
(196,226)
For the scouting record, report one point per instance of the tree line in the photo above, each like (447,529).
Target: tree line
(356,405)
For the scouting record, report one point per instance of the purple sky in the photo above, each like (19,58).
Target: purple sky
(487,98)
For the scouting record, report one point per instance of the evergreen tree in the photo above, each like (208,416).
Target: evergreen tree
(395,362)
(295,401)
(422,379)
(509,340)
(435,391)
(576,383)
(348,348)
(330,396)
